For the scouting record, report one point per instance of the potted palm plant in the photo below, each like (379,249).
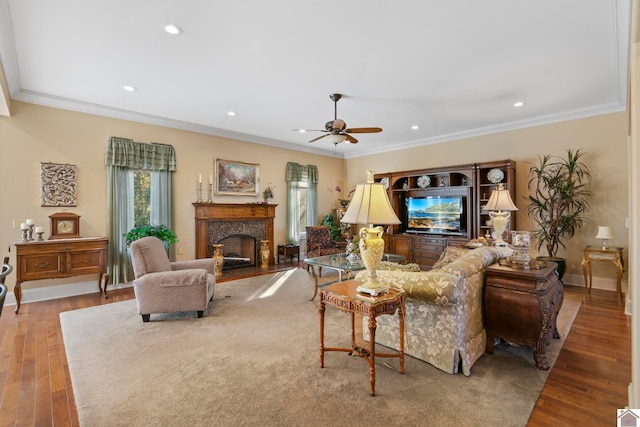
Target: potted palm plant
(558,201)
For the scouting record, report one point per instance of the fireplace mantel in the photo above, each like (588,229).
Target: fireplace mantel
(236,212)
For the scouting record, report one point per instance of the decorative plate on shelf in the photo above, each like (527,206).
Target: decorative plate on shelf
(385,181)
(495,176)
(423,181)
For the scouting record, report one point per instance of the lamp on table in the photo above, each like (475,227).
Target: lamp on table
(370,205)
(500,206)
(604,233)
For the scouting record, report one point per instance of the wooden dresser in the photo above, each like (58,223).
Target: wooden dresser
(521,306)
(51,259)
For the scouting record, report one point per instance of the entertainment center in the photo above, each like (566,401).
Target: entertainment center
(442,207)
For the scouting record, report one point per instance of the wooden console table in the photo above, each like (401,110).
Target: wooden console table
(52,259)
(522,306)
(612,255)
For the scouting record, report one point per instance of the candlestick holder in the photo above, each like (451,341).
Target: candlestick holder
(199,193)
(25,234)
(210,193)
(30,233)
(39,237)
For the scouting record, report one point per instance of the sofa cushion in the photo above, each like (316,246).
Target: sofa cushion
(394,266)
(450,254)
(476,260)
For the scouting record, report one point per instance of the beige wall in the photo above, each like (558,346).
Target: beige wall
(35,134)
(604,138)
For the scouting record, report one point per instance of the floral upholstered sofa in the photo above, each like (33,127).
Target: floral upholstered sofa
(443,319)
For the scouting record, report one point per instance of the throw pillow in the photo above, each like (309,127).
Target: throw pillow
(450,254)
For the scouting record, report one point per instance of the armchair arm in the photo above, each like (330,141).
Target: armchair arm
(176,278)
(206,263)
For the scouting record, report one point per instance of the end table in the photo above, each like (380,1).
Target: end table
(612,255)
(345,297)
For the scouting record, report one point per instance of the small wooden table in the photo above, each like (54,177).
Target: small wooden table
(59,258)
(291,250)
(343,295)
(521,306)
(612,255)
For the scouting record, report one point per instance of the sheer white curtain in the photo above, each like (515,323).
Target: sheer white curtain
(122,157)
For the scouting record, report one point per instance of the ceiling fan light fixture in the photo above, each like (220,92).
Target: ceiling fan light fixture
(336,139)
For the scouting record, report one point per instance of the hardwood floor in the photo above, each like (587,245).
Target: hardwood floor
(585,387)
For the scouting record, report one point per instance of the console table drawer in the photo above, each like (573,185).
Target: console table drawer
(427,253)
(86,262)
(34,266)
(430,241)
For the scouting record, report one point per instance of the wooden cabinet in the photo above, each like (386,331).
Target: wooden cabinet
(52,259)
(484,190)
(521,306)
(472,183)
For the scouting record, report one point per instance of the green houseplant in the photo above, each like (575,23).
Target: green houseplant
(162,232)
(330,221)
(559,199)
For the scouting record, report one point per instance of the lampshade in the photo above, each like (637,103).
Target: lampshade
(335,138)
(604,232)
(500,200)
(370,205)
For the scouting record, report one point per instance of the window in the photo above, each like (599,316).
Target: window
(301,199)
(141,197)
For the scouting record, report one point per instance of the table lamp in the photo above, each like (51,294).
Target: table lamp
(370,205)
(604,233)
(500,205)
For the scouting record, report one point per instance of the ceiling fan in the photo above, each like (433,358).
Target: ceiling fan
(336,130)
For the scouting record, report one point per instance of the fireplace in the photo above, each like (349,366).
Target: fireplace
(238,227)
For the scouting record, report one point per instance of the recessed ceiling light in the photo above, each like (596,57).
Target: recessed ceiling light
(302,130)
(231,113)
(518,104)
(129,88)
(173,29)
(415,127)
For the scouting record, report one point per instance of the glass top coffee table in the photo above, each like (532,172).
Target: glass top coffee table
(339,263)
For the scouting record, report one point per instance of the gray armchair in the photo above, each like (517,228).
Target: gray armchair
(162,286)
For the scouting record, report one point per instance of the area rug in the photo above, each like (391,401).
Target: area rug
(253,360)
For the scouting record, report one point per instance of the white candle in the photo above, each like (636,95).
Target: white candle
(24,226)
(199,178)
(39,229)
(29,222)
(210,179)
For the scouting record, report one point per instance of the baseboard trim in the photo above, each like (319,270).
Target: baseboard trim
(604,283)
(59,291)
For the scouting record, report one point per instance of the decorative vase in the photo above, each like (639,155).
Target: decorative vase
(520,243)
(264,253)
(371,248)
(218,258)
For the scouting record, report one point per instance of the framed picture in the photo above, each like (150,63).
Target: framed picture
(236,178)
(58,184)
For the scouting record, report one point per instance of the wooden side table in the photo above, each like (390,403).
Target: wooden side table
(343,295)
(292,250)
(521,306)
(612,255)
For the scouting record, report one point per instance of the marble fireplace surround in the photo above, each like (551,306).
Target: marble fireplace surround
(215,221)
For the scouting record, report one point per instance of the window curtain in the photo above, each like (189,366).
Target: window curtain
(121,157)
(297,174)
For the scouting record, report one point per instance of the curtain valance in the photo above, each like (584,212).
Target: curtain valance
(125,152)
(302,173)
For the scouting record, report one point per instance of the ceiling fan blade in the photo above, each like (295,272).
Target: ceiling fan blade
(320,137)
(351,139)
(363,130)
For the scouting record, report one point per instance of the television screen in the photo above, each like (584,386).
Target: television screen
(435,214)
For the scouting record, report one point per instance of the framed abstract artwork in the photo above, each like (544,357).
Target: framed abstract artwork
(236,178)
(58,184)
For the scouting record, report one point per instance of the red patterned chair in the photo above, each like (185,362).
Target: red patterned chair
(320,243)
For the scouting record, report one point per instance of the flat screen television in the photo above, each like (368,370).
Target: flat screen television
(436,215)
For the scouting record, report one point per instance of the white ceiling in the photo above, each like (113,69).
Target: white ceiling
(454,68)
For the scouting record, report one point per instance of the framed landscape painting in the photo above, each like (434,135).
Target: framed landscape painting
(236,178)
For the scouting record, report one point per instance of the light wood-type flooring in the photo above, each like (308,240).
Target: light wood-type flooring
(585,387)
